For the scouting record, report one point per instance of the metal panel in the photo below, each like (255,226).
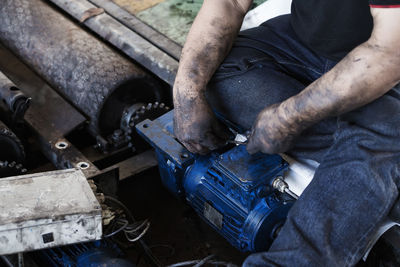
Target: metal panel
(47,209)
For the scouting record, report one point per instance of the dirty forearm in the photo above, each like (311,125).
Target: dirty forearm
(208,42)
(365,74)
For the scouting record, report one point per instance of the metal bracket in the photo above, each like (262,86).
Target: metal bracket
(156,133)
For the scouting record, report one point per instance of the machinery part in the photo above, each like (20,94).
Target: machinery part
(49,209)
(126,134)
(94,77)
(280,185)
(98,253)
(13,98)
(11,169)
(230,189)
(11,148)
(148,55)
(139,112)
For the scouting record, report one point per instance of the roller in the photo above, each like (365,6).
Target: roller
(95,78)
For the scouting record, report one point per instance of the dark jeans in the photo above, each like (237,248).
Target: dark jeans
(355,186)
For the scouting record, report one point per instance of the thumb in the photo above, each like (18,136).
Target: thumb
(252,146)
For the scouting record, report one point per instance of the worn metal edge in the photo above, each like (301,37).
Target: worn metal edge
(135,24)
(133,45)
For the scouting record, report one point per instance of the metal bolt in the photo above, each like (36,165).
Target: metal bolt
(83,165)
(61,145)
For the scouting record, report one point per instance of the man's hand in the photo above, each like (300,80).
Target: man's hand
(196,126)
(207,44)
(365,74)
(271,133)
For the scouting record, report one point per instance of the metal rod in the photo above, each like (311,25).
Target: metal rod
(141,28)
(129,42)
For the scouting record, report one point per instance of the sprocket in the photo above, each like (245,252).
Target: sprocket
(150,111)
(136,113)
(11,168)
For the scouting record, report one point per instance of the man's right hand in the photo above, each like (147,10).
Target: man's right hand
(208,42)
(196,126)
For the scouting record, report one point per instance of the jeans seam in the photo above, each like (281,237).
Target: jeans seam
(356,249)
(299,65)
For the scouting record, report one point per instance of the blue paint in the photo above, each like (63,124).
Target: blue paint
(98,253)
(230,189)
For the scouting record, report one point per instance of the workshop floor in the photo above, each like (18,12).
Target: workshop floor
(177,233)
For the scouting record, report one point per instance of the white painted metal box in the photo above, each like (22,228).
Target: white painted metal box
(47,209)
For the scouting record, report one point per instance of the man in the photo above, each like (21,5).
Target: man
(319,83)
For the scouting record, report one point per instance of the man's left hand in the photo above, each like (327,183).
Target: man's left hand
(271,132)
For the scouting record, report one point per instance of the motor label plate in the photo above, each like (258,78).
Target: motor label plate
(214,216)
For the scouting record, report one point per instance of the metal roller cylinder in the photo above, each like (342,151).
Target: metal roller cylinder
(94,77)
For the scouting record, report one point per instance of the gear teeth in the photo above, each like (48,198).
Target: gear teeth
(11,168)
(149,111)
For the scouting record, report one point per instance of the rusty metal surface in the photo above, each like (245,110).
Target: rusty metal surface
(133,45)
(48,111)
(13,98)
(50,116)
(71,60)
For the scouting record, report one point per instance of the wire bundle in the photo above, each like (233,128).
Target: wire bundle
(133,231)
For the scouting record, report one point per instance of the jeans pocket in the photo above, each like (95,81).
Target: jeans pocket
(238,67)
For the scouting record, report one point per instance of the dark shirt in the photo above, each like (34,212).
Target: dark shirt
(333,28)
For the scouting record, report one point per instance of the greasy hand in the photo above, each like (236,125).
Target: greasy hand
(196,126)
(272,132)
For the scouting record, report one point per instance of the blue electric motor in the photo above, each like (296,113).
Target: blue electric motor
(90,254)
(230,189)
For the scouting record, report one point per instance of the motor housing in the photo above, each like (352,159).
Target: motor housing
(230,189)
